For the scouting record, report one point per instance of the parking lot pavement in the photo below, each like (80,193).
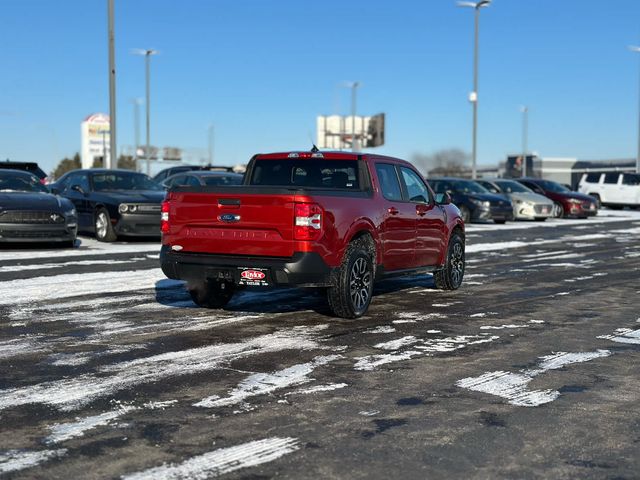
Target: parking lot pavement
(530,370)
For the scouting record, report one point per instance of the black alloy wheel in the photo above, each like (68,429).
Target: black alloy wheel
(450,276)
(352,283)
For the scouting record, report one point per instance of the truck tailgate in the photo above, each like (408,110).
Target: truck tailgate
(230,223)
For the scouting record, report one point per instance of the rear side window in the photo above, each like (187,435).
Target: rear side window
(389,183)
(592,178)
(611,178)
(314,173)
(631,179)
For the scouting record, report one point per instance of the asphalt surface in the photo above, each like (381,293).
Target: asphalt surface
(530,370)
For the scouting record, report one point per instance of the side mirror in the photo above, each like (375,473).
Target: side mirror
(443,198)
(77,188)
(54,190)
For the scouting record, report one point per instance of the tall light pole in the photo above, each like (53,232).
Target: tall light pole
(147,57)
(112,160)
(355,147)
(637,50)
(473,97)
(525,135)
(136,126)
(210,142)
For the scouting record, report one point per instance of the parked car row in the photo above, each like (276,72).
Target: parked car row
(106,203)
(114,203)
(501,199)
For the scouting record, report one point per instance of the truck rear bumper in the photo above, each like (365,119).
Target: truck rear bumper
(303,269)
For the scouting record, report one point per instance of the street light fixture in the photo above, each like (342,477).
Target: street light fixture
(637,50)
(147,57)
(473,97)
(525,135)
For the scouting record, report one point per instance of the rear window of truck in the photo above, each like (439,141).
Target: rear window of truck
(300,172)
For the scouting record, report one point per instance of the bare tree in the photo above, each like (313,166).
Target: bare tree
(452,161)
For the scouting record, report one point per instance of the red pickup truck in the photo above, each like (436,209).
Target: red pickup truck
(332,220)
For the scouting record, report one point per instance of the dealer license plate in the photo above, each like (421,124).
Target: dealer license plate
(253,277)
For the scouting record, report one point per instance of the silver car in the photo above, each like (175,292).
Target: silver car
(527,205)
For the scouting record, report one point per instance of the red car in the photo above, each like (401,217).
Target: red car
(567,202)
(337,221)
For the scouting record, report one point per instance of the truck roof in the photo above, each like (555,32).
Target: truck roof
(330,155)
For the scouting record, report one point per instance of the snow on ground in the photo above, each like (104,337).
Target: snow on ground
(514,386)
(88,247)
(604,216)
(61,432)
(14,460)
(427,346)
(263,383)
(74,392)
(221,461)
(54,287)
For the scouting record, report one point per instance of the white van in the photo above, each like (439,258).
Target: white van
(614,189)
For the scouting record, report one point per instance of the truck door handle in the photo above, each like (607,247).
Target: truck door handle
(393,210)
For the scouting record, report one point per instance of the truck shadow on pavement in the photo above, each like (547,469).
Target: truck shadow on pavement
(174,293)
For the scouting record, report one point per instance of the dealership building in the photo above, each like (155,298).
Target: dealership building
(566,170)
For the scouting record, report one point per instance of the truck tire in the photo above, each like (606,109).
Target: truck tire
(103,228)
(598,201)
(352,283)
(450,276)
(211,293)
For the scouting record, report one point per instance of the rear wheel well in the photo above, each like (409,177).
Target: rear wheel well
(365,236)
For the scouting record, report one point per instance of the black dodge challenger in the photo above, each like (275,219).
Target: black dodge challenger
(112,203)
(29,213)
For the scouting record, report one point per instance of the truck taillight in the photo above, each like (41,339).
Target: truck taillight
(308,221)
(164,217)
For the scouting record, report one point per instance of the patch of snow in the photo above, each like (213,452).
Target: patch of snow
(624,335)
(221,461)
(381,329)
(514,386)
(75,392)
(263,383)
(66,431)
(15,460)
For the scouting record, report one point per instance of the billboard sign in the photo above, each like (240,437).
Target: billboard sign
(95,137)
(336,132)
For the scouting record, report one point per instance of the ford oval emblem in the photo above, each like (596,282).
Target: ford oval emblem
(229,218)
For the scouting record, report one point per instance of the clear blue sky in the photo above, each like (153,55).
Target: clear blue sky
(262,70)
